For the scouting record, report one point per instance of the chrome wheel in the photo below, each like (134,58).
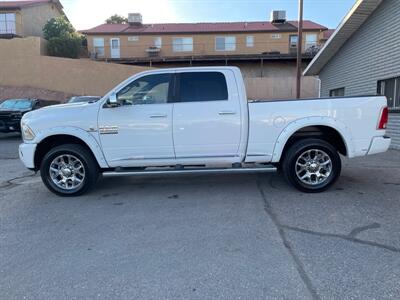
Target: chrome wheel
(313,167)
(67,172)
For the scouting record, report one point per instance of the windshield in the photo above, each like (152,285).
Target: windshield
(16,104)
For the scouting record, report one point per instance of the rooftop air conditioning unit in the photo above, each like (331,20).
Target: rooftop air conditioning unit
(135,19)
(278,16)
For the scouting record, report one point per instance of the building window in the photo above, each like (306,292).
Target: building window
(7,23)
(391,89)
(158,42)
(133,38)
(250,41)
(225,43)
(182,44)
(293,39)
(276,36)
(311,40)
(337,92)
(98,46)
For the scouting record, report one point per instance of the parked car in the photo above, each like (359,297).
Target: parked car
(77,99)
(12,110)
(198,120)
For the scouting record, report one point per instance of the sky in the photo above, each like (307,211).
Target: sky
(85,14)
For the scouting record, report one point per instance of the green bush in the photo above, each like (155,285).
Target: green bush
(65,46)
(62,39)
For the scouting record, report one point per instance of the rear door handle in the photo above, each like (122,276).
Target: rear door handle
(158,116)
(225,113)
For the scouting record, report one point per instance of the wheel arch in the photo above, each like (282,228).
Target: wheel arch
(60,136)
(324,128)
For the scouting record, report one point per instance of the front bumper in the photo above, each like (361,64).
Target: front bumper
(379,144)
(10,125)
(27,154)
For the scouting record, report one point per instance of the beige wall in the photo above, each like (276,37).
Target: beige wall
(203,44)
(35,17)
(280,88)
(85,77)
(22,46)
(22,65)
(31,20)
(74,76)
(249,69)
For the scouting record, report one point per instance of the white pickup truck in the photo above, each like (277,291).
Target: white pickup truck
(198,120)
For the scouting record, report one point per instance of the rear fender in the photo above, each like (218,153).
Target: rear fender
(294,126)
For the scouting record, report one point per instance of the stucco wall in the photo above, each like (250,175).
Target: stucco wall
(30,46)
(74,76)
(249,69)
(276,88)
(35,17)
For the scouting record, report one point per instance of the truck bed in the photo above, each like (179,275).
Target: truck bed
(355,117)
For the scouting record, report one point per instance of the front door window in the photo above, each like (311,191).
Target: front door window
(151,89)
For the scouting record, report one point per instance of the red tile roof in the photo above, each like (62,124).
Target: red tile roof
(200,27)
(327,33)
(22,4)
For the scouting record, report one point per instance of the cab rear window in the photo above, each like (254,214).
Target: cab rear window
(202,86)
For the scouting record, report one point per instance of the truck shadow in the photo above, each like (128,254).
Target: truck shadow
(12,136)
(175,182)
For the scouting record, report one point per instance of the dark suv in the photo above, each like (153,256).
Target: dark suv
(12,110)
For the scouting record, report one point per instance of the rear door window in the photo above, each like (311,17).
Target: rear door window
(202,86)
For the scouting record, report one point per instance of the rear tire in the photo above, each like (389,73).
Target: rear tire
(312,165)
(69,170)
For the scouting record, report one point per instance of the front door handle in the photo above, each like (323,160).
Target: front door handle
(224,113)
(158,116)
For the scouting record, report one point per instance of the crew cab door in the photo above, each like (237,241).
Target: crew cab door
(138,131)
(207,116)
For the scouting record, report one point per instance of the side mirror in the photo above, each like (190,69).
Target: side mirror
(113,101)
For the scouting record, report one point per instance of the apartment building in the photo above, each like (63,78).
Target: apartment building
(250,45)
(27,18)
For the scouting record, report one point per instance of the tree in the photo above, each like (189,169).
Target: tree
(57,27)
(63,40)
(117,19)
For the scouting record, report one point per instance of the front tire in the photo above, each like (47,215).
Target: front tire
(69,170)
(312,165)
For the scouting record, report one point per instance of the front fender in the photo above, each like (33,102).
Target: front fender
(79,133)
(294,126)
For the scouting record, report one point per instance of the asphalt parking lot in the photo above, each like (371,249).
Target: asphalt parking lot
(202,237)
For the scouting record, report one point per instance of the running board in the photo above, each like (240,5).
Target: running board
(264,169)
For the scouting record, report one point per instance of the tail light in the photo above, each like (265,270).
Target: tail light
(384,118)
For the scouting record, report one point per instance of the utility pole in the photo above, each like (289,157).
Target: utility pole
(299,50)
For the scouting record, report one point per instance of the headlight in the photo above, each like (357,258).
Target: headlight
(27,133)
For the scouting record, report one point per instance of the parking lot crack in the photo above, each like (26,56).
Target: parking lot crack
(358,230)
(299,265)
(10,183)
(349,237)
